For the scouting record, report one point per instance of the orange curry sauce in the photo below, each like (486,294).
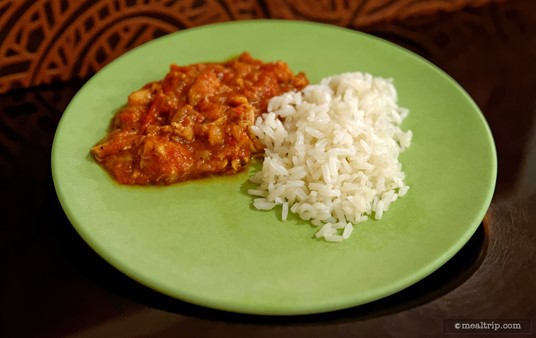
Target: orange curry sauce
(194,123)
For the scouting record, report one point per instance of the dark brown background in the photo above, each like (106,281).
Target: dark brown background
(50,40)
(53,285)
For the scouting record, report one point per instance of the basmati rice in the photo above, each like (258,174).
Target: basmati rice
(332,153)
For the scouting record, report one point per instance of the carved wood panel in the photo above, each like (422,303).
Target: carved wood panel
(55,40)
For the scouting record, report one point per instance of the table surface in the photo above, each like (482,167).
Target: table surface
(54,285)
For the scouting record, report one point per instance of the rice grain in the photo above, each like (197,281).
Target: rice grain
(332,153)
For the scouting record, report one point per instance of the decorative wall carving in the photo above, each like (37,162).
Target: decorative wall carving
(56,40)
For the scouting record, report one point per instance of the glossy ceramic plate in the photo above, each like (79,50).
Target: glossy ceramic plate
(202,242)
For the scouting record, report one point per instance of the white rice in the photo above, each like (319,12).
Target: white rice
(332,153)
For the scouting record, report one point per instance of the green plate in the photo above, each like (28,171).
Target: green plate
(202,242)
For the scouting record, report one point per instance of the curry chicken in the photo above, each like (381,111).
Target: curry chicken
(194,123)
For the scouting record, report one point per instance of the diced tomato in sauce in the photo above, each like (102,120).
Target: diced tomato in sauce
(194,123)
